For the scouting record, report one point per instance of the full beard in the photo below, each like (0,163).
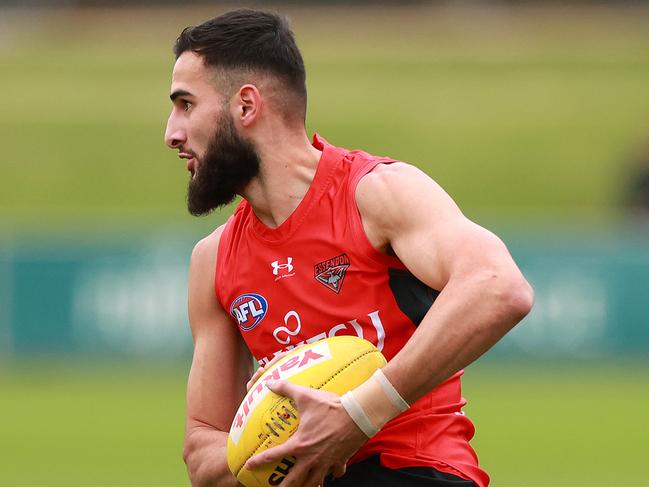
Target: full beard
(227,167)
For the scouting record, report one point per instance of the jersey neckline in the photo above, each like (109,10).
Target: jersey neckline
(324,170)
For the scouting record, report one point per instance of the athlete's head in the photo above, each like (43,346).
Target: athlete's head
(235,75)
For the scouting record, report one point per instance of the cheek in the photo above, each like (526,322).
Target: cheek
(197,140)
(202,132)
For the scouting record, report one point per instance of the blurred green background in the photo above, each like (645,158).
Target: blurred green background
(534,118)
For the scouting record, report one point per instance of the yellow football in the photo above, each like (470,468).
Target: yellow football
(265,419)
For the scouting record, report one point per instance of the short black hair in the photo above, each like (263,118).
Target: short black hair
(247,39)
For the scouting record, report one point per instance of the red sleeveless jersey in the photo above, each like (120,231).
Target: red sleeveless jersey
(316,276)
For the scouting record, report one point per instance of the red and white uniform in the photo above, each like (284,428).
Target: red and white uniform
(317,276)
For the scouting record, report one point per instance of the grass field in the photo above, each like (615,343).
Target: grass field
(554,100)
(536,426)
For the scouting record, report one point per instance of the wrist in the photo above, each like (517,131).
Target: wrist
(373,403)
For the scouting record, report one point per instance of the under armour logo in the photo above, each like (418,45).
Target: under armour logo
(284,268)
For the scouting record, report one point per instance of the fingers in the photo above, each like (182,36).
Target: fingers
(314,478)
(339,470)
(304,477)
(260,371)
(318,452)
(271,455)
(292,391)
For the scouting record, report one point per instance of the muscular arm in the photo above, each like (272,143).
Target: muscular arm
(220,368)
(482,296)
(483,293)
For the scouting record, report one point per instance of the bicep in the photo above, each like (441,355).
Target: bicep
(425,228)
(453,246)
(221,364)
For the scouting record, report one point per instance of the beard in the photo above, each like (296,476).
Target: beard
(227,167)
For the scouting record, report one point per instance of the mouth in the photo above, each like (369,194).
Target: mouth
(191,166)
(191,162)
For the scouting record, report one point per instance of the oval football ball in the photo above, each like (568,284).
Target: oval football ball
(265,419)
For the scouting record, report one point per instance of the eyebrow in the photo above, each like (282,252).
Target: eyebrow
(178,93)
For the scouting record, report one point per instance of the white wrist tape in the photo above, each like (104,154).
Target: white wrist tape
(358,415)
(373,403)
(396,399)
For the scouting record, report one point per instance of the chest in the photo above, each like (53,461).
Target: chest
(283,296)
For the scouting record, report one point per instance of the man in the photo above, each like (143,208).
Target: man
(325,242)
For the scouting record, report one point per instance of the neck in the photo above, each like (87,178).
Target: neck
(288,166)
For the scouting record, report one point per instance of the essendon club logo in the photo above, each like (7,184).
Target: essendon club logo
(331,272)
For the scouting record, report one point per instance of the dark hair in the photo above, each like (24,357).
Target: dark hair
(248,39)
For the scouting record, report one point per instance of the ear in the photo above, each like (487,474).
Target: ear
(248,104)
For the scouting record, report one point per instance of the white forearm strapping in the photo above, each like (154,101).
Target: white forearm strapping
(373,403)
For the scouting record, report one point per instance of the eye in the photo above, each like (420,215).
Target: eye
(186,105)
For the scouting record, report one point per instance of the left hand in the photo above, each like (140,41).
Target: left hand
(323,442)
(260,371)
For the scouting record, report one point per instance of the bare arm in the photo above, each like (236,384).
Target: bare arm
(220,368)
(483,293)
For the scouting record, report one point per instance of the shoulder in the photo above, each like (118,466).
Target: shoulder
(397,191)
(392,177)
(202,300)
(202,264)
(206,248)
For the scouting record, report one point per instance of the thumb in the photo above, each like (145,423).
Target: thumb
(287,389)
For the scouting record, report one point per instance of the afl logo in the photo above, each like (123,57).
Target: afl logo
(249,310)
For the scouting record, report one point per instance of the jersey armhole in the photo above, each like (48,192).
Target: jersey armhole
(357,221)
(220,258)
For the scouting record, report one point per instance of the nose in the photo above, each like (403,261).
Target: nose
(175,135)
